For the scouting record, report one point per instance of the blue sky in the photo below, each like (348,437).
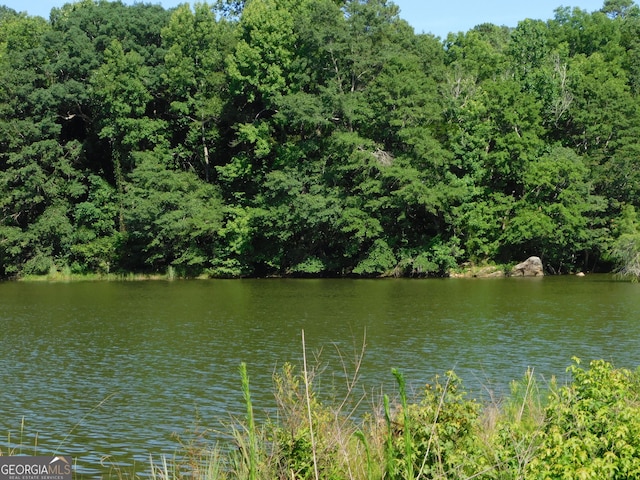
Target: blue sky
(444,16)
(429,16)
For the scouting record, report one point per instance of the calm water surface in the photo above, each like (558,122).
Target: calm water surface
(114,370)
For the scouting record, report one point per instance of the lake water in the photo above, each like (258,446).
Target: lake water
(110,371)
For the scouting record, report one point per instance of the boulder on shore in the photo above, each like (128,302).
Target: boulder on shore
(531,267)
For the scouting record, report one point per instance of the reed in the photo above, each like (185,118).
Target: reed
(389,454)
(162,471)
(408,440)
(308,402)
(251,428)
(18,448)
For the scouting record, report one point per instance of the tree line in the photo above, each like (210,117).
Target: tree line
(315,137)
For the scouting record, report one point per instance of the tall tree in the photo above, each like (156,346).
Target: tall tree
(122,97)
(172,218)
(39,178)
(197,45)
(557,217)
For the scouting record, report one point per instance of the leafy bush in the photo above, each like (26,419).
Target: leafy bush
(442,433)
(592,427)
(380,259)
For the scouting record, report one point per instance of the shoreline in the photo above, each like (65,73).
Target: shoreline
(472,272)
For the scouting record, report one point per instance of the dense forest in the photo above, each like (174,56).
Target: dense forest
(315,137)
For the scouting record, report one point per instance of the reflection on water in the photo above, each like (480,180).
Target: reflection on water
(114,370)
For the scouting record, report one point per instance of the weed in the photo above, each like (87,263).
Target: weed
(251,429)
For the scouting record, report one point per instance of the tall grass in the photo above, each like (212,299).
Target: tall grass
(18,448)
(408,440)
(252,455)
(439,434)
(307,396)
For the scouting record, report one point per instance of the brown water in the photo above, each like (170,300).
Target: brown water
(115,369)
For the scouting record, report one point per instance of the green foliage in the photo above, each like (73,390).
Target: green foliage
(625,250)
(260,66)
(310,265)
(322,137)
(511,430)
(97,241)
(439,258)
(586,429)
(407,453)
(592,426)
(379,260)
(553,217)
(340,447)
(197,45)
(171,217)
(437,438)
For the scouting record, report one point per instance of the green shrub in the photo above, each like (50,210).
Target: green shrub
(592,426)
(443,434)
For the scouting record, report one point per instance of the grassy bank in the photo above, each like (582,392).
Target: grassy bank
(66,275)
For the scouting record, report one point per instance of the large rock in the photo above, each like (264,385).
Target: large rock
(531,267)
